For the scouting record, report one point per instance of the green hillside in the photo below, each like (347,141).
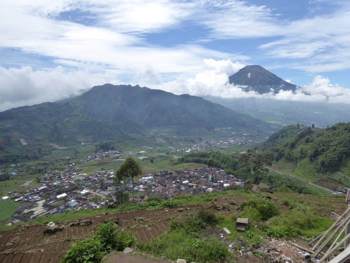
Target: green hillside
(115,113)
(322,154)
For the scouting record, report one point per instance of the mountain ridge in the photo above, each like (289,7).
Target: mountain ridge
(123,112)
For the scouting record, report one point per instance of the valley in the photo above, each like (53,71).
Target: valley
(156,170)
(77,195)
(174,131)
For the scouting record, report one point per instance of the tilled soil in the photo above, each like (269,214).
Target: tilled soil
(29,244)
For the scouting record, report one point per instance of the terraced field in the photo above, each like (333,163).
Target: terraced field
(29,244)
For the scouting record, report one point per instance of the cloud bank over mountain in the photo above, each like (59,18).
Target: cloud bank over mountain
(27,86)
(213,81)
(182,46)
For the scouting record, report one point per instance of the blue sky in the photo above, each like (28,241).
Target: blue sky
(53,49)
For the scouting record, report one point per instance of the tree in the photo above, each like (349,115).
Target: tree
(129,170)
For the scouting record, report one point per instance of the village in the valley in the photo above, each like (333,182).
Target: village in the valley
(69,189)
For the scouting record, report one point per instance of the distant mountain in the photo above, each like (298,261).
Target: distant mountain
(258,79)
(288,112)
(111,112)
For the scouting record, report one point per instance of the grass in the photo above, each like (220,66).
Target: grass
(180,244)
(299,221)
(152,204)
(188,239)
(305,171)
(16,184)
(7,208)
(319,207)
(159,164)
(107,164)
(194,237)
(324,205)
(167,164)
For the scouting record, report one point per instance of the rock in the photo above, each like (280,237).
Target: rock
(227,231)
(52,228)
(9,244)
(242,224)
(128,250)
(181,261)
(180,209)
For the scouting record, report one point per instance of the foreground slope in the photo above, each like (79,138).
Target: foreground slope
(111,112)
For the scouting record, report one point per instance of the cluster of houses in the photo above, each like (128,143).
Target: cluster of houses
(71,189)
(167,184)
(61,191)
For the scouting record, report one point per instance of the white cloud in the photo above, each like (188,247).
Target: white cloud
(213,81)
(323,87)
(140,16)
(317,44)
(116,44)
(25,86)
(33,27)
(238,19)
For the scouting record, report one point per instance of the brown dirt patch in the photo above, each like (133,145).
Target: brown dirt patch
(123,258)
(29,243)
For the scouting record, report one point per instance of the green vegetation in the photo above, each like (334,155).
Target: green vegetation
(259,209)
(298,221)
(7,208)
(127,171)
(108,237)
(313,152)
(251,166)
(151,204)
(85,251)
(16,184)
(271,220)
(112,238)
(41,129)
(153,164)
(187,239)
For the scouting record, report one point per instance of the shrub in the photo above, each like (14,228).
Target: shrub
(85,251)
(195,223)
(107,238)
(260,209)
(113,238)
(181,244)
(210,250)
(207,217)
(169,204)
